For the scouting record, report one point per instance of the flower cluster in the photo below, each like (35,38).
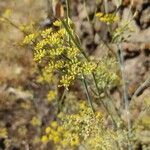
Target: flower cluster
(29,39)
(81,128)
(59,55)
(35,121)
(59,135)
(82,122)
(51,95)
(106,74)
(107,18)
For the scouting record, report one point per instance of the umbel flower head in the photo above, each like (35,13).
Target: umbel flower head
(59,54)
(107,18)
(81,128)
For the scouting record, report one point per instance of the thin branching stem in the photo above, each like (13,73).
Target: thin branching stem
(14,25)
(141,88)
(68,9)
(76,42)
(108,47)
(125,93)
(113,104)
(60,101)
(50,11)
(99,96)
(88,93)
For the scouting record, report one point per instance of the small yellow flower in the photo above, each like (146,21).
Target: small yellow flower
(66,134)
(39,55)
(51,95)
(72,52)
(66,80)
(59,64)
(74,140)
(61,32)
(83,105)
(40,45)
(29,39)
(60,129)
(56,139)
(46,32)
(47,130)
(88,67)
(64,142)
(44,139)
(57,23)
(54,124)
(56,52)
(50,137)
(36,121)
(107,18)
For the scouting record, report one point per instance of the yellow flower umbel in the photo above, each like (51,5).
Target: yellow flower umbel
(53,133)
(35,121)
(82,128)
(44,139)
(66,80)
(60,57)
(29,39)
(51,95)
(107,18)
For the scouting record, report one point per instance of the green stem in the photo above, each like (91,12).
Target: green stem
(125,93)
(75,40)
(68,9)
(14,25)
(113,104)
(141,88)
(88,94)
(60,101)
(107,110)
